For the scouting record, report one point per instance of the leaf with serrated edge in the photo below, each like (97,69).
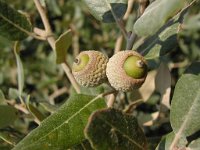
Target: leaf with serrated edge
(101,9)
(63,128)
(13,25)
(62,44)
(185,106)
(112,129)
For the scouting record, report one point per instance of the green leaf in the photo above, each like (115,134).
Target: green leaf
(62,45)
(63,128)
(20,70)
(194,145)
(49,107)
(2,99)
(85,145)
(185,106)
(13,25)
(167,140)
(163,86)
(112,129)
(102,10)
(34,110)
(9,137)
(13,93)
(9,114)
(164,40)
(193,69)
(4,146)
(189,37)
(161,11)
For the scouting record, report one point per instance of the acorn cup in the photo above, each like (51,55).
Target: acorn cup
(89,68)
(126,70)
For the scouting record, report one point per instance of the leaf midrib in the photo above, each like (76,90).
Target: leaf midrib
(123,134)
(67,121)
(185,123)
(15,25)
(189,114)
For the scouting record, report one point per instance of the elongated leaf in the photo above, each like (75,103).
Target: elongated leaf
(189,37)
(101,9)
(195,145)
(193,69)
(65,127)
(62,45)
(20,70)
(156,15)
(148,87)
(167,140)
(9,138)
(85,145)
(164,86)
(13,25)
(111,129)
(185,106)
(13,93)
(9,114)
(2,98)
(49,107)
(165,40)
(34,111)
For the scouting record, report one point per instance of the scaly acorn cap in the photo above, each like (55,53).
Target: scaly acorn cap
(89,68)
(126,70)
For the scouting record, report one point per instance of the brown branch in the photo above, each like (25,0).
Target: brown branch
(143,5)
(51,40)
(130,40)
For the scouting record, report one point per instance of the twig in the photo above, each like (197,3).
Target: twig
(119,21)
(118,44)
(111,99)
(129,9)
(143,5)
(57,93)
(51,40)
(133,105)
(21,108)
(40,32)
(43,16)
(131,41)
(75,40)
(67,70)
(107,93)
(119,40)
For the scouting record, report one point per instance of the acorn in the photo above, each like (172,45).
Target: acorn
(126,70)
(89,68)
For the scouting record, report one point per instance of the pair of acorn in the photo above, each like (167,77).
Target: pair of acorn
(126,70)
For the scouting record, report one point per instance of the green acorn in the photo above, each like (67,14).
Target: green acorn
(126,70)
(89,68)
